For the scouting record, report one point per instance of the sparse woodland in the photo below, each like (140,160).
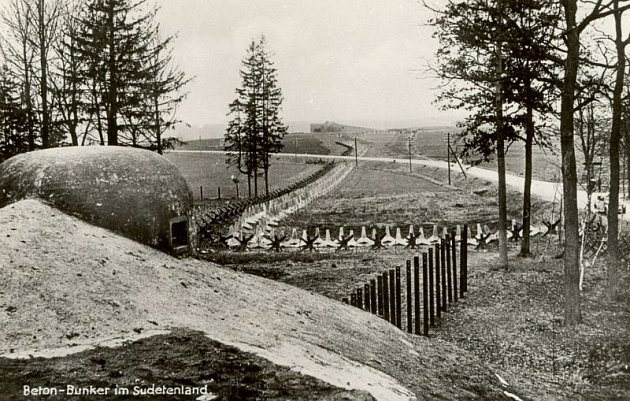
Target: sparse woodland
(535,72)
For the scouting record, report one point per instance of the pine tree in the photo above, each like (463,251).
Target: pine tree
(164,92)
(235,142)
(14,136)
(273,130)
(19,54)
(256,129)
(128,77)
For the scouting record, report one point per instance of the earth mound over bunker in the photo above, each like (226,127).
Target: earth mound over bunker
(134,192)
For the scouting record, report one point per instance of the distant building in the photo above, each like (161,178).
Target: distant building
(330,126)
(327,127)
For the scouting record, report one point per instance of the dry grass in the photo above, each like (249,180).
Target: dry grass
(209,171)
(314,144)
(513,320)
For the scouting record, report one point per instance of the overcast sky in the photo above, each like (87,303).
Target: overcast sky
(339,60)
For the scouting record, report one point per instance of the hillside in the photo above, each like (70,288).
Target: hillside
(330,126)
(68,283)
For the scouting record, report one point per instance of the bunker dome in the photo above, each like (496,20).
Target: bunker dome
(134,192)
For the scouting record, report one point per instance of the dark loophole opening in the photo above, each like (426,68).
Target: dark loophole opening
(179,233)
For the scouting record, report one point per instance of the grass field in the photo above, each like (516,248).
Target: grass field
(209,171)
(313,144)
(376,195)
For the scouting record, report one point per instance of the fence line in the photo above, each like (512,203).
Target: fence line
(440,287)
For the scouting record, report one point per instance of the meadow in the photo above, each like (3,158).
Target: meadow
(210,172)
(313,144)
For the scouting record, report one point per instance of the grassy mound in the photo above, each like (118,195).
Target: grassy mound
(67,283)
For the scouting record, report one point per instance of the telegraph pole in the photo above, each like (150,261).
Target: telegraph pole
(448,154)
(356,154)
(409,143)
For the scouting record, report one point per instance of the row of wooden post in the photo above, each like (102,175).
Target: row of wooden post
(382,296)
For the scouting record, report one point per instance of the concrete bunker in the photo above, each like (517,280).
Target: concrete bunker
(134,192)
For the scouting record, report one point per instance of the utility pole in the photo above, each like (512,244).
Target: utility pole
(356,153)
(409,143)
(448,154)
(295,142)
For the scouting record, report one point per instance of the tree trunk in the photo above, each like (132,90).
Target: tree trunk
(112,90)
(74,106)
(255,156)
(615,139)
(43,80)
(27,98)
(158,132)
(627,142)
(572,311)
(249,185)
(503,253)
(527,189)
(266,180)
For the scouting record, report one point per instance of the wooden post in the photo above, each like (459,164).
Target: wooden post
(373,296)
(392,297)
(219,192)
(201,192)
(385,296)
(379,286)
(425,295)
(463,265)
(431,289)
(409,303)
(449,276)
(454,265)
(443,276)
(448,155)
(438,275)
(398,299)
(368,297)
(360,298)
(416,290)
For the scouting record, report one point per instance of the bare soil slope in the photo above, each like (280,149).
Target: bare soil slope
(68,283)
